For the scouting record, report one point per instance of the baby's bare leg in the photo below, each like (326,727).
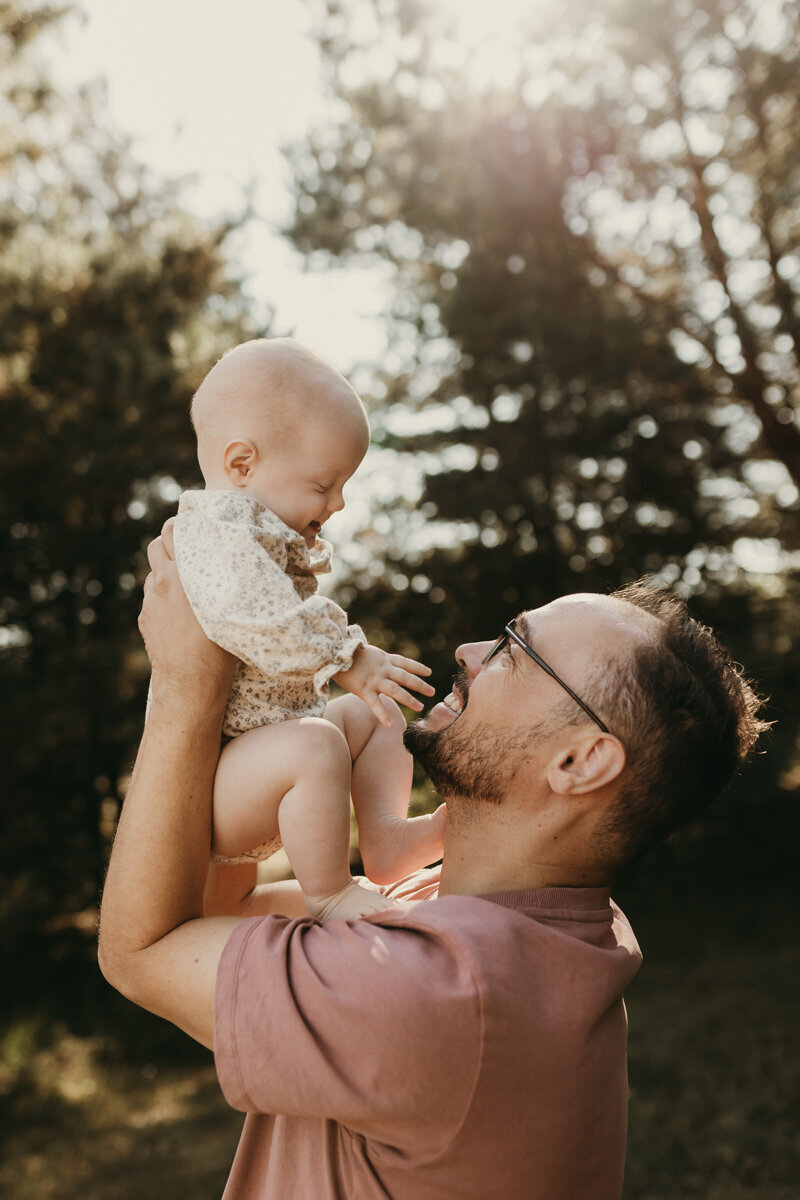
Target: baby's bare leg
(293,778)
(391,845)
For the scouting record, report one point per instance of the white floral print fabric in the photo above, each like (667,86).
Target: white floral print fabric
(252,584)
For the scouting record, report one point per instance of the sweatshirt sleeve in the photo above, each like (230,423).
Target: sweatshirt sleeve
(234,576)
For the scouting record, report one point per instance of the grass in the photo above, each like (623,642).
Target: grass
(80,1125)
(714,1085)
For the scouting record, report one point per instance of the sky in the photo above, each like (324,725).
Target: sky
(215,99)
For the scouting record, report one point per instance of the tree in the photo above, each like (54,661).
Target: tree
(594,317)
(703,119)
(113,303)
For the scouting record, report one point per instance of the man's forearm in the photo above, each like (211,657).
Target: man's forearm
(159,861)
(160,857)
(155,945)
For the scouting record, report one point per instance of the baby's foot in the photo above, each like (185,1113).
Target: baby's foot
(393,847)
(348,903)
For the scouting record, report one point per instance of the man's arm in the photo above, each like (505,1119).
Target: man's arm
(232,890)
(155,946)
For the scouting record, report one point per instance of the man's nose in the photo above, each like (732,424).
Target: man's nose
(470,656)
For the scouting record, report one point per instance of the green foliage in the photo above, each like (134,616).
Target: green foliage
(113,303)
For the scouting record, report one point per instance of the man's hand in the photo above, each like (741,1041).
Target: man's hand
(180,653)
(375,672)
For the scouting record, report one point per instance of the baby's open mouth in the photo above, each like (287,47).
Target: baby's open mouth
(315,525)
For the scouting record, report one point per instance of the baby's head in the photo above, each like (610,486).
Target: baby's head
(275,421)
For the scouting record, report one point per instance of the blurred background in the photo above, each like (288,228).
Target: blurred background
(557,249)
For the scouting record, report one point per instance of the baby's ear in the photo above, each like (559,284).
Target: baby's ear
(239,459)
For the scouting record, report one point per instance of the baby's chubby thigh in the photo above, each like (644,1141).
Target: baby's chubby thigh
(260,767)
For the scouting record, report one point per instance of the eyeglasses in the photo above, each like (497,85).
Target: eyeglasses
(510,632)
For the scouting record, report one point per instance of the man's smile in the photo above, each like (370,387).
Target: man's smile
(454,703)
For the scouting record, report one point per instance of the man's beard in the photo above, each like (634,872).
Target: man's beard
(477,765)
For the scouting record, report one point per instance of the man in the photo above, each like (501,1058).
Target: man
(474,1044)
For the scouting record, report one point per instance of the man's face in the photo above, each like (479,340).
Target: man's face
(476,741)
(466,759)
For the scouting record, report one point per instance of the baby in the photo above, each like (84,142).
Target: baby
(279,433)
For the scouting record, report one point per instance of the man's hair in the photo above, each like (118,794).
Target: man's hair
(687,717)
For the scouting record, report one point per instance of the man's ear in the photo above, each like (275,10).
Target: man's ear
(239,460)
(587,762)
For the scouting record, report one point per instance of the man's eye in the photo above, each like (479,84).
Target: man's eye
(511,657)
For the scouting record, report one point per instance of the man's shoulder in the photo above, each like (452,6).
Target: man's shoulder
(572,925)
(418,959)
(474,941)
(436,938)
(471,929)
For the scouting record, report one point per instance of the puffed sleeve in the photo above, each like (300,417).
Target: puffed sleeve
(232,559)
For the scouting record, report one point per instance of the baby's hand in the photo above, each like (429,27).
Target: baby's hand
(375,672)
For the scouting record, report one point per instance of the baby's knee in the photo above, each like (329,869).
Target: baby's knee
(359,723)
(323,746)
(353,716)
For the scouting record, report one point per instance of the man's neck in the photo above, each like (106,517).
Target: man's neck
(458,882)
(481,858)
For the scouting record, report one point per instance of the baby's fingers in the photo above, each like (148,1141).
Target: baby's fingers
(391,688)
(374,702)
(406,679)
(409,664)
